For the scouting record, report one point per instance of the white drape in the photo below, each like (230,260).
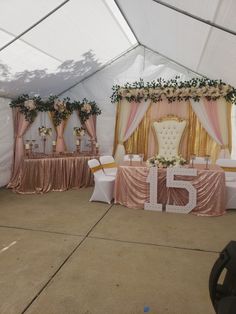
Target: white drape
(213,117)
(127,126)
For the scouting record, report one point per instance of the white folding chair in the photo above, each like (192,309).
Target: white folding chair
(229,166)
(134,158)
(108,164)
(104,185)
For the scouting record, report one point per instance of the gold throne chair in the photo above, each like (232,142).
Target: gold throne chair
(168,133)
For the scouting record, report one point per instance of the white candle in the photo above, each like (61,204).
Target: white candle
(27,146)
(77,142)
(53,143)
(97,145)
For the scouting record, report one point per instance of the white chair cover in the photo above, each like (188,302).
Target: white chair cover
(108,164)
(229,166)
(169,131)
(104,185)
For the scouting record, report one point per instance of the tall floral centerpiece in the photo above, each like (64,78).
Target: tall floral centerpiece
(78,133)
(165,162)
(44,133)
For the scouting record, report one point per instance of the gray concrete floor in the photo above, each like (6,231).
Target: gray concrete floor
(60,254)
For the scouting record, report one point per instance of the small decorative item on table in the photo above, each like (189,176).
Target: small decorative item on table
(97,149)
(44,132)
(207,159)
(192,158)
(27,149)
(130,159)
(79,133)
(54,144)
(141,156)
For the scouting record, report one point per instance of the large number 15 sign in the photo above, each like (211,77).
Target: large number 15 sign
(172,183)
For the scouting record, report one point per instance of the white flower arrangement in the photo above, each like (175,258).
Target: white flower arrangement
(30,104)
(79,132)
(164,162)
(86,108)
(59,105)
(43,131)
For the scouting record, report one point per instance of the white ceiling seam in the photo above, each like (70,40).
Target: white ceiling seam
(222,28)
(127,21)
(208,36)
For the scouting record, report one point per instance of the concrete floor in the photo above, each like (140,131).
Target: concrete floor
(60,254)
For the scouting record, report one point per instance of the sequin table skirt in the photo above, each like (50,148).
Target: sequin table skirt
(132,190)
(52,174)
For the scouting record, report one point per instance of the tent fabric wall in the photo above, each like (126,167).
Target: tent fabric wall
(6,141)
(205,49)
(138,63)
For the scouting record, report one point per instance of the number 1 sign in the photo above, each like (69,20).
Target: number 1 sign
(152,179)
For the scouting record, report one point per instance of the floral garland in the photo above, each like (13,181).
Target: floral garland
(173,90)
(164,162)
(86,109)
(28,106)
(60,109)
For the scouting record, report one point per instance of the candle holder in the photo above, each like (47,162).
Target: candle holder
(44,132)
(93,147)
(207,159)
(44,139)
(27,148)
(130,159)
(97,149)
(54,144)
(192,158)
(141,156)
(78,145)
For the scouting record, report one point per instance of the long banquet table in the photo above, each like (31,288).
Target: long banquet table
(132,190)
(44,174)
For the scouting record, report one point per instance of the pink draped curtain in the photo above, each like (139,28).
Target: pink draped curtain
(134,113)
(90,126)
(20,127)
(60,144)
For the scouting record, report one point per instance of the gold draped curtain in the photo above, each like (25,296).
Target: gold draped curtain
(196,138)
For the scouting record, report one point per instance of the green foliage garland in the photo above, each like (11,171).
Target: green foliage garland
(173,90)
(60,109)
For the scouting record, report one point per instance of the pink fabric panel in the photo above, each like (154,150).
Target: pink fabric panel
(133,111)
(132,190)
(212,114)
(60,145)
(90,126)
(20,127)
(162,109)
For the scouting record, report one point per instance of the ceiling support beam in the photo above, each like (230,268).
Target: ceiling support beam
(127,21)
(195,17)
(35,24)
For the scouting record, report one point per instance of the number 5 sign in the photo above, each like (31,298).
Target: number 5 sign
(172,183)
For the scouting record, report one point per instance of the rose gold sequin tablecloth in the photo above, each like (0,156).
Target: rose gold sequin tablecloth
(41,175)
(132,190)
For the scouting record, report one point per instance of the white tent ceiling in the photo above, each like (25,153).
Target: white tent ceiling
(48,46)
(74,41)
(206,49)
